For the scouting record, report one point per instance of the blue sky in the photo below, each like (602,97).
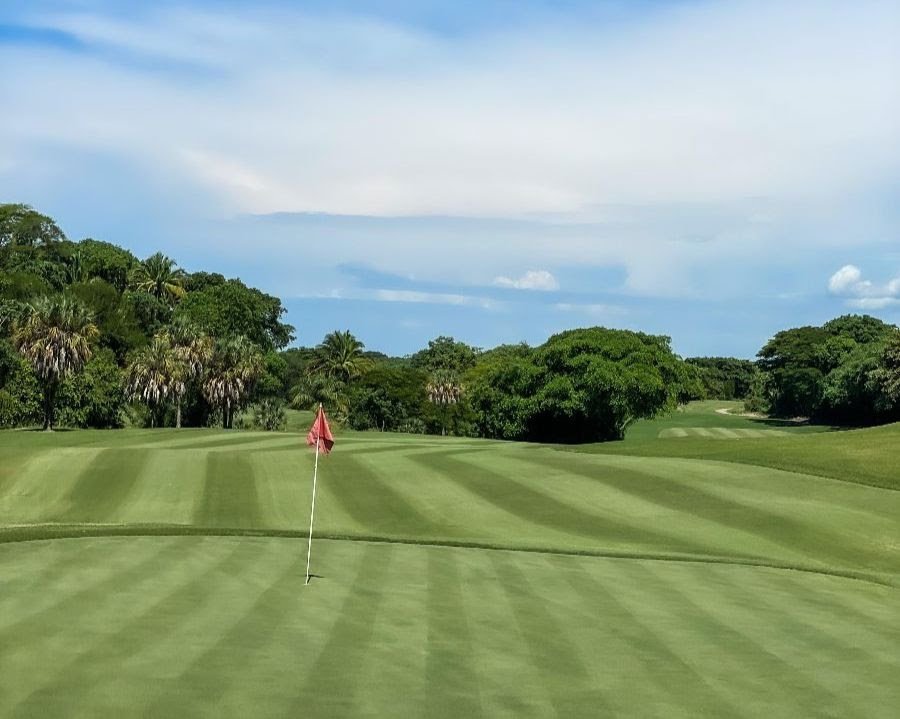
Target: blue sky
(499,171)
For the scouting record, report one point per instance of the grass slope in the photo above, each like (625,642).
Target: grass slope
(652,585)
(866,456)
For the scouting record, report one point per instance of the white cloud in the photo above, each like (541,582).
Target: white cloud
(863,294)
(531,280)
(676,145)
(410,296)
(709,102)
(873,303)
(844,279)
(596,310)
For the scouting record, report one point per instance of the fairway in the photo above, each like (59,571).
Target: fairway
(160,573)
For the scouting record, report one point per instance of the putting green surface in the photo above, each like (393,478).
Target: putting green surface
(457,578)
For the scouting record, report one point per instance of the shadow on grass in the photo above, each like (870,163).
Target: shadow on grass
(777,422)
(41,430)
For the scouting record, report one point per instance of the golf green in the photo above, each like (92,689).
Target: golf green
(161,573)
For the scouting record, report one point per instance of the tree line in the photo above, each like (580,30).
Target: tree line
(845,372)
(92,336)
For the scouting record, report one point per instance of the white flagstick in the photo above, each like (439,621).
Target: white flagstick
(312,511)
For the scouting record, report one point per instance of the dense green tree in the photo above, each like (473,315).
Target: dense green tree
(887,375)
(199,281)
(23,286)
(581,385)
(54,334)
(106,261)
(93,397)
(850,394)
(792,361)
(150,312)
(822,372)
(297,361)
(272,378)
(501,392)
(20,392)
(445,353)
(724,377)
(119,328)
(862,329)
(232,309)
(388,397)
(23,226)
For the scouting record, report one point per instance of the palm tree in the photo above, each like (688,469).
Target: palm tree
(159,276)
(76,270)
(340,355)
(236,365)
(314,389)
(153,375)
(444,389)
(54,334)
(193,351)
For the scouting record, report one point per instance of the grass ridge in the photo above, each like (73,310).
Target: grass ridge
(45,532)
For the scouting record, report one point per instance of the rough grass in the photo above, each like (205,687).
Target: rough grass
(484,579)
(866,456)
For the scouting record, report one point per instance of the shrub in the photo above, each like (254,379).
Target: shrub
(268,414)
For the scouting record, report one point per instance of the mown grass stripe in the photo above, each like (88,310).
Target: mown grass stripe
(451,682)
(13,465)
(226,441)
(200,682)
(373,504)
(161,599)
(709,617)
(229,497)
(821,636)
(40,488)
(103,486)
(536,507)
(797,538)
(110,577)
(330,684)
(670,674)
(861,610)
(639,509)
(555,658)
(55,565)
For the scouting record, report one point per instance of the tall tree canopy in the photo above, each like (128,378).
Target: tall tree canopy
(23,226)
(445,353)
(824,372)
(581,385)
(231,309)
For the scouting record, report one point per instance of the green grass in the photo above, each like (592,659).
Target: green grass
(866,456)
(164,573)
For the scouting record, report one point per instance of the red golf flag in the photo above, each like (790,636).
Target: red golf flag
(320,432)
